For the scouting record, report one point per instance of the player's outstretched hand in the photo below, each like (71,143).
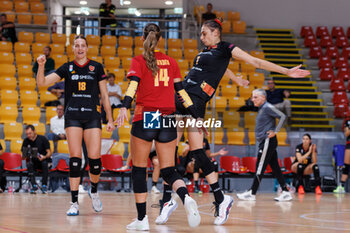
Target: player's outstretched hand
(123,115)
(41,60)
(110,126)
(296,72)
(223,151)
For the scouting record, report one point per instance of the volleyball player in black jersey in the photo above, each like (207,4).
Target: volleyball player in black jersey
(84,82)
(201,83)
(346,168)
(305,163)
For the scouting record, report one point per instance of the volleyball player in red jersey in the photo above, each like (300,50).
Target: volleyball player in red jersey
(85,80)
(153,77)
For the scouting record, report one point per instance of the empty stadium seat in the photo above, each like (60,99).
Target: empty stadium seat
(50,112)
(124,52)
(7,70)
(41,130)
(37,7)
(8,113)
(46,96)
(124,133)
(57,49)
(139,41)
(23,59)
(71,38)
(245,91)
(337,31)
(332,52)
(326,41)
(119,74)
(40,19)
(305,31)
(97,59)
(256,79)
(228,90)
(322,31)
(346,51)
(249,119)
(233,15)
(41,37)
(118,148)
(327,74)
(109,40)
(28,98)
(11,16)
(127,41)
(93,40)
(9,97)
(13,130)
(16,145)
(344,73)
(174,43)
(138,51)
(112,62)
(310,41)
(315,52)
(8,83)
(105,133)
(235,103)
(337,85)
(234,66)
(31,114)
(235,138)
(6,6)
(62,147)
(190,44)
(183,64)
(340,97)
(247,68)
(6,46)
(341,110)
(21,7)
(24,71)
(190,54)
(6,58)
(25,37)
(175,53)
(341,62)
(218,137)
(341,42)
(92,50)
(38,48)
(282,138)
(107,51)
(239,27)
(324,62)
(21,47)
(59,39)
(226,26)
(26,83)
(126,62)
(231,119)
(59,60)
(116,113)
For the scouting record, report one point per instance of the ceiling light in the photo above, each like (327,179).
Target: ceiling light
(169,3)
(77,12)
(127,2)
(83,2)
(137,13)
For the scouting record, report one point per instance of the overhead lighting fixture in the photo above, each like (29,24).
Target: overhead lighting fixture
(127,2)
(178,10)
(83,2)
(137,13)
(169,3)
(77,12)
(131,11)
(85,10)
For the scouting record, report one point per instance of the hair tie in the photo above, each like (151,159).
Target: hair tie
(216,20)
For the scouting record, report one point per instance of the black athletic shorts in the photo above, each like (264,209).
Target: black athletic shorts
(84,124)
(347,146)
(152,154)
(198,102)
(162,135)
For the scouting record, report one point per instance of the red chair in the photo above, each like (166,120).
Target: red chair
(315,52)
(112,163)
(305,31)
(288,161)
(327,74)
(229,164)
(62,166)
(340,97)
(337,85)
(341,110)
(344,73)
(337,31)
(249,163)
(310,41)
(13,162)
(332,52)
(326,41)
(346,52)
(349,86)
(322,31)
(341,42)
(324,62)
(341,62)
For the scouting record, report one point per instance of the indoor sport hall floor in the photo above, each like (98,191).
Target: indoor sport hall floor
(22,212)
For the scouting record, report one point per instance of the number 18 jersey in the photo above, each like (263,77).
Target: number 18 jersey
(154,93)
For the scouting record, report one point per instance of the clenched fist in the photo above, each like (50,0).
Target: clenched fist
(41,60)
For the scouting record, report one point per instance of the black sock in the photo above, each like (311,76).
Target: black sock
(342,183)
(94,187)
(141,210)
(154,183)
(167,193)
(284,188)
(74,196)
(218,195)
(196,184)
(182,191)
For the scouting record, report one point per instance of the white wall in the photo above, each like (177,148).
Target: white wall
(288,13)
(56,8)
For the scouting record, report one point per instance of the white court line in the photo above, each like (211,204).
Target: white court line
(276,223)
(305,216)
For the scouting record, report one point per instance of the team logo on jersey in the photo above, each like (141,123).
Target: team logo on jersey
(151,120)
(70,68)
(91,68)
(75,77)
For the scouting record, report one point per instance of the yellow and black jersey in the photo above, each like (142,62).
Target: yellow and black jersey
(300,149)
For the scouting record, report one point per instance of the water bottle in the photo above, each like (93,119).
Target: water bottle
(237,166)
(10,189)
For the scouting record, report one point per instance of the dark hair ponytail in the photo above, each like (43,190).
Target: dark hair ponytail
(213,24)
(151,34)
(307,135)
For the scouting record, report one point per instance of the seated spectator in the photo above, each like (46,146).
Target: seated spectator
(114,93)
(7,30)
(58,90)
(39,160)
(209,14)
(50,62)
(57,125)
(279,98)
(305,163)
(2,170)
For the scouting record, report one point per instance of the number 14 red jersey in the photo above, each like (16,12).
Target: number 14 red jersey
(154,93)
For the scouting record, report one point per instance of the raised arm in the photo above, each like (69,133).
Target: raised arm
(236,79)
(294,72)
(41,79)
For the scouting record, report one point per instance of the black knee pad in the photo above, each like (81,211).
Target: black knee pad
(300,169)
(346,169)
(181,169)
(216,165)
(315,168)
(170,175)
(139,176)
(74,167)
(204,162)
(95,166)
